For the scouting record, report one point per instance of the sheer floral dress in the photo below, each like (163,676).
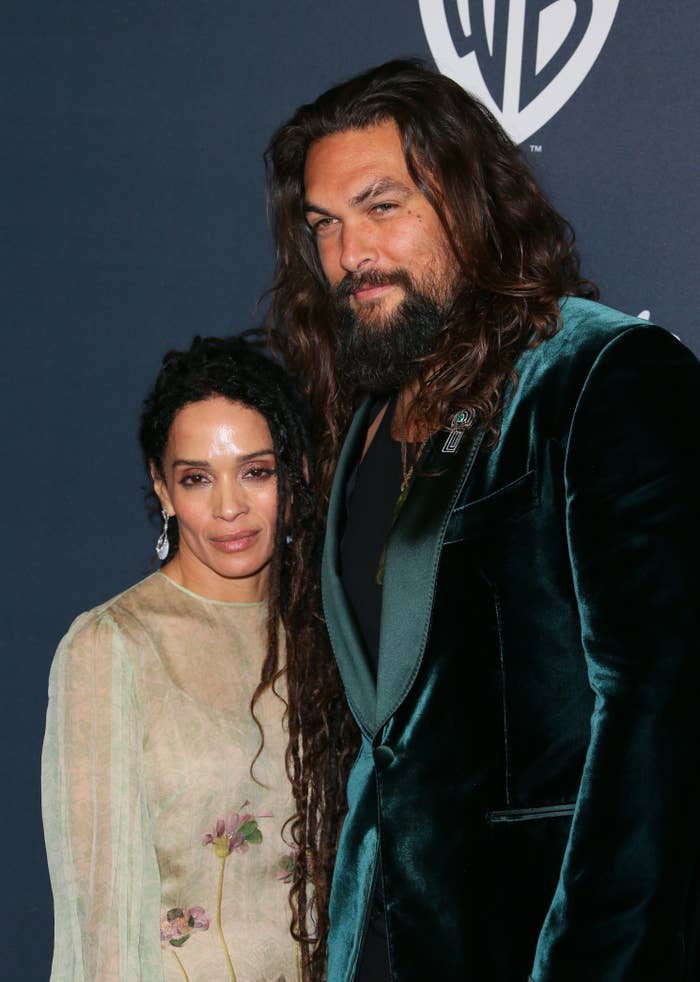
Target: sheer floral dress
(167,859)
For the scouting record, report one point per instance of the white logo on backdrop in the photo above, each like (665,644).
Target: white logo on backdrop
(522,58)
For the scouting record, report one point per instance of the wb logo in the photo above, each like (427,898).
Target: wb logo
(522,58)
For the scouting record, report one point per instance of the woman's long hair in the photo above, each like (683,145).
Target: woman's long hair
(321,730)
(516,254)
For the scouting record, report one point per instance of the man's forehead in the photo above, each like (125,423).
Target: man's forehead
(357,161)
(383,137)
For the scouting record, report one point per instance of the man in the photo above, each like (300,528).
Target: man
(510,571)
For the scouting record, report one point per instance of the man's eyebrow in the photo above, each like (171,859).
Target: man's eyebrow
(316,209)
(376,188)
(372,190)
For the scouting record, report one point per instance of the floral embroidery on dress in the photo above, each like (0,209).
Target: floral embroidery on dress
(235,834)
(177,926)
(286,865)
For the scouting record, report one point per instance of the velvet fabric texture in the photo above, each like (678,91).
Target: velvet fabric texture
(529,767)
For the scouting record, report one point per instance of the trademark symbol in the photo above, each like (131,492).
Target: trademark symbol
(535,148)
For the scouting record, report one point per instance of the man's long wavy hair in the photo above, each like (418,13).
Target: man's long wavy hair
(321,730)
(515,253)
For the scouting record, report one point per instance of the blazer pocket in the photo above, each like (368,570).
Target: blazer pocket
(478,518)
(530,814)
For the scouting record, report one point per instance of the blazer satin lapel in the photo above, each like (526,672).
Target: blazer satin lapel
(410,572)
(348,647)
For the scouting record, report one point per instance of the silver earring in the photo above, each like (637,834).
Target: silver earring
(289,539)
(163,545)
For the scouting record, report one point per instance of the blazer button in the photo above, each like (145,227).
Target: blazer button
(383,756)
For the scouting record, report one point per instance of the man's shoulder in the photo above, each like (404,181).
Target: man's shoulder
(552,375)
(588,322)
(586,329)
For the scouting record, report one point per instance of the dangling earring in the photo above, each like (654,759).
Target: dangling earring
(163,545)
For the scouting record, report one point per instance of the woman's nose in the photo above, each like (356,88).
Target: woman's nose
(229,500)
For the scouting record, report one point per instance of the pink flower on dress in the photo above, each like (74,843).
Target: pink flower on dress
(177,925)
(199,917)
(235,834)
(286,866)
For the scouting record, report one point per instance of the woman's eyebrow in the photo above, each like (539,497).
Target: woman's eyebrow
(258,453)
(182,462)
(185,462)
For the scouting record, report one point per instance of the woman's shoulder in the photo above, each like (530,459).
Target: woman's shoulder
(131,602)
(121,620)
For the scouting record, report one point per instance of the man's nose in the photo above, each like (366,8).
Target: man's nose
(358,249)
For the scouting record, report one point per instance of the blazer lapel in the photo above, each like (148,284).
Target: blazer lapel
(411,566)
(348,647)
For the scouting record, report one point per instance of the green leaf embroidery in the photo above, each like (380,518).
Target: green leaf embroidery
(174,913)
(254,837)
(247,828)
(178,942)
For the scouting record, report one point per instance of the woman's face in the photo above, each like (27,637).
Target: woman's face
(219,479)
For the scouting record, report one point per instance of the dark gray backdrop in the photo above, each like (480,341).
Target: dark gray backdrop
(133,216)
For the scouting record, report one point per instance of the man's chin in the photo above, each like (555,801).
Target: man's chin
(376,315)
(381,344)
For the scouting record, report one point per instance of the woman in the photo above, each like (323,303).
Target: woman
(179,710)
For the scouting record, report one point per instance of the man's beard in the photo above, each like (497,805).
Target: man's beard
(378,352)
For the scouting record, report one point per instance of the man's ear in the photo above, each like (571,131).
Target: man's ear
(160,488)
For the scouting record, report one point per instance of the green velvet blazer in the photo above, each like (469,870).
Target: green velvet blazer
(529,761)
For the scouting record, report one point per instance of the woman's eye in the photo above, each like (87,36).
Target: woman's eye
(258,473)
(194,480)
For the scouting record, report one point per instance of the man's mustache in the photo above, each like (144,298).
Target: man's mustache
(352,282)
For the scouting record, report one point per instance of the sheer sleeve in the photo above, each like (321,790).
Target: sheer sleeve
(102,862)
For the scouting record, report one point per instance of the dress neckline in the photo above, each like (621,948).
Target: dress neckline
(209,600)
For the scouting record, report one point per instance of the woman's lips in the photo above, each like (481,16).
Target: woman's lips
(236,542)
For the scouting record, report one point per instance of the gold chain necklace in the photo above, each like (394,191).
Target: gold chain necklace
(407,472)
(403,494)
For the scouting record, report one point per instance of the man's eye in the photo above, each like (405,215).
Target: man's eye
(321,225)
(383,207)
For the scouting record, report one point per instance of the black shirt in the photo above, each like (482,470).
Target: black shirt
(370,498)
